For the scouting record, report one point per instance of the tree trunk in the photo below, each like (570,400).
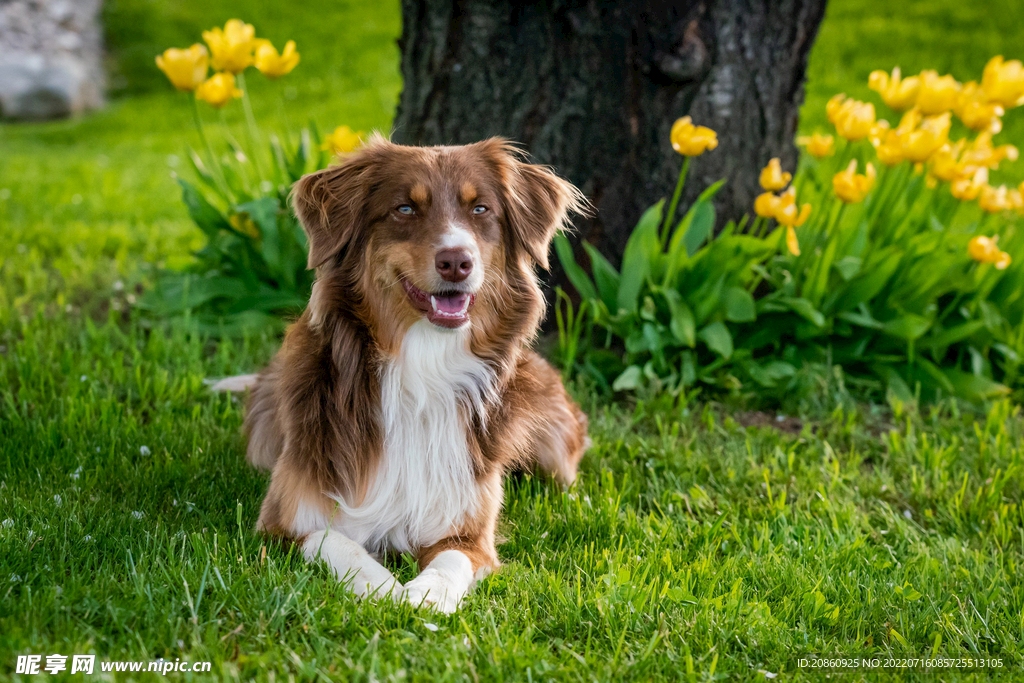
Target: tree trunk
(592,88)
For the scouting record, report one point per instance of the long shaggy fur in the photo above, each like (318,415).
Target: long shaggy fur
(376,423)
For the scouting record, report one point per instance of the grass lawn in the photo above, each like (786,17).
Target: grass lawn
(697,545)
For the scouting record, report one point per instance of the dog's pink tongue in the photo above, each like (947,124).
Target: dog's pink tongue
(451,304)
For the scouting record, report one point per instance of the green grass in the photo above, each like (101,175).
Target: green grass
(691,544)
(859,36)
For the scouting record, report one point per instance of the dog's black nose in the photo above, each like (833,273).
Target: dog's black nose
(453,265)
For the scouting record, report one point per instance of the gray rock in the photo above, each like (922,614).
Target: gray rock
(51,55)
(33,87)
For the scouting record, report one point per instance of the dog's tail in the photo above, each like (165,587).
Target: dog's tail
(236,383)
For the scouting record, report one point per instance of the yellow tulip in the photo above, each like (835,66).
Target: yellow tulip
(834,106)
(920,143)
(897,93)
(786,212)
(910,120)
(766,204)
(783,209)
(854,120)
(186,69)
(274,65)
(1003,82)
(982,153)
(968,186)
(245,225)
(231,46)
(690,140)
(975,110)
(789,216)
(772,177)
(986,250)
(1015,199)
(218,90)
(791,241)
(889,148)
(937,94)
(818,146)
(944,163)
(994,199)
(852,187)
(343,140)
(983,249)
(888,143)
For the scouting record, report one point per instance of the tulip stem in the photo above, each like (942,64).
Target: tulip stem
(881,194)
(838,220)
(953,212)
(675,201)
(250,120)
(215,170)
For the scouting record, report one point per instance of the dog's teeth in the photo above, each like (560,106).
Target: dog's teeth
(433,303)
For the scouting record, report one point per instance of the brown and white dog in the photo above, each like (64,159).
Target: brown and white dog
(407,388)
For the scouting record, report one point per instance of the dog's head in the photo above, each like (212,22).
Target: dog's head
(446,234)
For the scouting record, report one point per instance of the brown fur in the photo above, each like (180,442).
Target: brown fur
(313,414)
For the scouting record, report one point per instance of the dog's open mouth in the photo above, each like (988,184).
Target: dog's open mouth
(445,309)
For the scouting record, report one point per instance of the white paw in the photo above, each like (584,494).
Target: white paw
(433,590)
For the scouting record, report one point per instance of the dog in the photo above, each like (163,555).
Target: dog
(407,389)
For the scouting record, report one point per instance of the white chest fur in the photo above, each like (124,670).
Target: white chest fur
(424,484)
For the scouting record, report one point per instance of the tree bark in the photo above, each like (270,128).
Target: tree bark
(592,88)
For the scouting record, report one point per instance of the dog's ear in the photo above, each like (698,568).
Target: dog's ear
(330,203)
(537,203)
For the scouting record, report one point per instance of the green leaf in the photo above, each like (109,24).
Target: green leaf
(682,323)
(642,248)
(864,287)
(739,305)
(718,339)
(199,166)
(768,374)
(653,336)
(804,308)
(701,227)
(297,166)
(935,374)
(816,288)
(861,319)
(952,335)
(269,300)
(577,276)
(709,193)
(177,292)
(908,326)
(701,213)
(605,276)
(629,379)
(604,365)
(687,369)
(209,219)
(848,267)
(975,387)
(263,213)
(894,383)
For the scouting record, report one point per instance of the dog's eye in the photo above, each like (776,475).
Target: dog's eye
(479,209)
(405,210)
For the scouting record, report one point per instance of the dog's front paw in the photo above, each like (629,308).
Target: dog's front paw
(433,590)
